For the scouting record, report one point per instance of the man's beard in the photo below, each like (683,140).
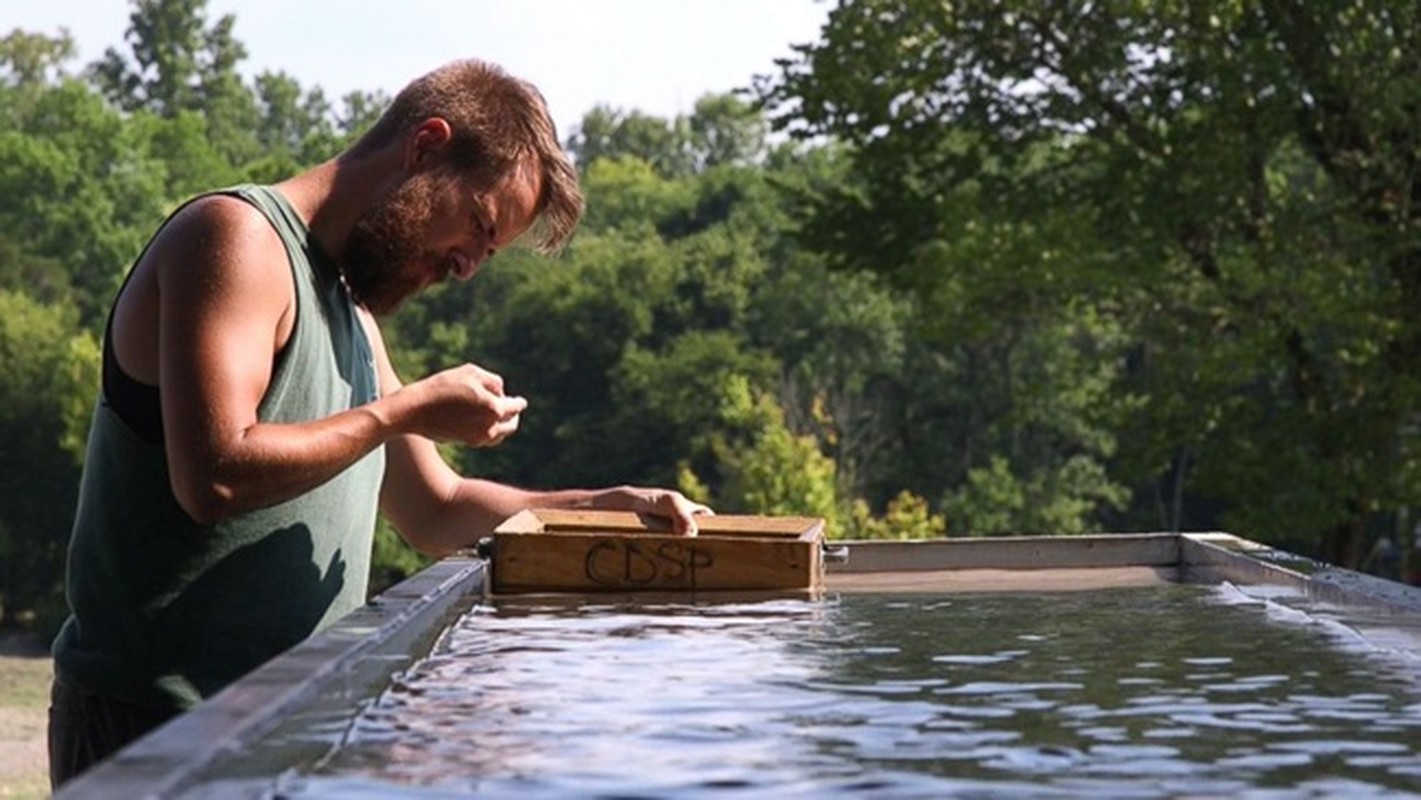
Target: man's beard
(384,260)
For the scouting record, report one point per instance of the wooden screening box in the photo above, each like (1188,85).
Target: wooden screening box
(617,551)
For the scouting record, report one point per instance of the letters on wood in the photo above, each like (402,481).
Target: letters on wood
(592,551)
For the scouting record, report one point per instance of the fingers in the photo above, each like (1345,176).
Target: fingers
(491,381)
(683,513)
(467,404)
(680,510)
(506,412)
(504,409)
(508,407)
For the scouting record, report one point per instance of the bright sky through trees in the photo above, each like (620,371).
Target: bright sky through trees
(656,56)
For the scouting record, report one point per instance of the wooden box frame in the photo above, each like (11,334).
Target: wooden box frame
(555,550)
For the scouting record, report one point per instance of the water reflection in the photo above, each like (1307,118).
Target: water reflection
(1122,693)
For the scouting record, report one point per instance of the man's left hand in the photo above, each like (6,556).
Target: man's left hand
(681,510)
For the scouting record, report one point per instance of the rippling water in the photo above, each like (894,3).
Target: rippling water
(1128,693)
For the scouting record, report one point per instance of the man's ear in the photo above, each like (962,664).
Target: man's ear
(428,141)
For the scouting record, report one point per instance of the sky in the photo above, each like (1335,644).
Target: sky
(656,56)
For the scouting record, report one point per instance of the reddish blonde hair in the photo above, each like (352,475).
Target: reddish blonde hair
(500,124)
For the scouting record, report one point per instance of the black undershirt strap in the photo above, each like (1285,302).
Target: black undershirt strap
(139,405)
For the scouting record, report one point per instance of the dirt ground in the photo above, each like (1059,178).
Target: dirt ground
(25,670)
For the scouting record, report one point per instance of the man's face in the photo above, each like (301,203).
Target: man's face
(433,224)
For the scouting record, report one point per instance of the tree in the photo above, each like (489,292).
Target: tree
(726,130)
(1238,185)
(50,374)
(607,132)
(722,130)
(843,341)
(765,467)
(359,111)
(34,59)
(671,404)
(176,61)
(78,186)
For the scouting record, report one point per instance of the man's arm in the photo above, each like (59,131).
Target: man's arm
(439,511)
(226,303)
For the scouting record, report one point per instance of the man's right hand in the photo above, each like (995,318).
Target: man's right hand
(464,404)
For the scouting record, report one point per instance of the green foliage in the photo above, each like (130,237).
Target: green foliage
(359,111)
(626,191)
(30,60)
(1063,500)
(192,162)
(843,340)
(1226,188)
(78,185)
(176,63)
(50,376)
(765,467)
(608,133)
(671,402)
(1005,268)
(723,130)
(908,516)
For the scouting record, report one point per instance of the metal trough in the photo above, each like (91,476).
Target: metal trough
(237,744)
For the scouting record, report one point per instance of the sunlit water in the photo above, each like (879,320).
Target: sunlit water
(1131,693)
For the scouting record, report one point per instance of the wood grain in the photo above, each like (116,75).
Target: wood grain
(609,551)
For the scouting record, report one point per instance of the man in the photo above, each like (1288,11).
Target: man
(250,417)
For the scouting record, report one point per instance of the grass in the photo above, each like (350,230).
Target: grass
(25,670)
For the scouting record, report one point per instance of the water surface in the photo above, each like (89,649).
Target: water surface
(1128,693)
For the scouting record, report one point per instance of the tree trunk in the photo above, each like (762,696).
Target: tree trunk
(1342,544)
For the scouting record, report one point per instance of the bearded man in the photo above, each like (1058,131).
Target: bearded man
(250,426)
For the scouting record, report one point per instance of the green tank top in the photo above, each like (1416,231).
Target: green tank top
(166,611)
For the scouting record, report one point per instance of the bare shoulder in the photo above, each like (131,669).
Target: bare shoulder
(216,230)
(221,265)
